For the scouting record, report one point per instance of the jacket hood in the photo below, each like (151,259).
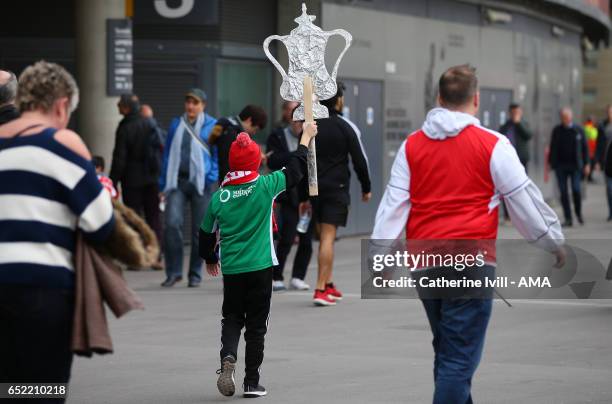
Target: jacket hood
(441,123)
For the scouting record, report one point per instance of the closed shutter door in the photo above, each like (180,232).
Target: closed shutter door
(163,86)
(248,22)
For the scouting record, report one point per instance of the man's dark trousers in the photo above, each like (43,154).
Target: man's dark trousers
(459,327)
(563,174)
(289,218)
(246,303)
(145,201)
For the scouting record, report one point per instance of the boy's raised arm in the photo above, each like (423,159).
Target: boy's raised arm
(296,166)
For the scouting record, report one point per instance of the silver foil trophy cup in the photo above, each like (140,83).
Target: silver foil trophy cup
(306,49)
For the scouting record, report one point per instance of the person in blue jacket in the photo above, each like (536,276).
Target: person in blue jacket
(189,171)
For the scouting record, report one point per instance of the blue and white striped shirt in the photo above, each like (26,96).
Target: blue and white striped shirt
(47,193)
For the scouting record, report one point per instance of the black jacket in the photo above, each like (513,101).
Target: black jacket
(279,158)
(522,135)
(161,132)
(568,148)
(8,113)
(222,135)
(131,141)
(336,141)
(603,143)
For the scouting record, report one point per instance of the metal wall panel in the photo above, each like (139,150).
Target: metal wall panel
(364,107)
(240,83)
(248,22)
(409,53)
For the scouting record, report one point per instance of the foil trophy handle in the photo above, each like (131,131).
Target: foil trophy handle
(348,38)
(308,94)
(266,48)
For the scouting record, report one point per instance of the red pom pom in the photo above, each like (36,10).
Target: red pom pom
(243,139)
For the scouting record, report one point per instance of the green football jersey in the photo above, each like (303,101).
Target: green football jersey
(243,214)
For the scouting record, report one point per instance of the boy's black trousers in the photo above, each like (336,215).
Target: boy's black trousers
(246,303)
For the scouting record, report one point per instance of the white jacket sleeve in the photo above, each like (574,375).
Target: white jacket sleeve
(532,217)
(392,214)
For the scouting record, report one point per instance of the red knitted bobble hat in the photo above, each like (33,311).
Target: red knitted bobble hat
(244,154)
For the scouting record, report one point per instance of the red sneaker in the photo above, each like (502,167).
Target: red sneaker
(322,298)
(332,292)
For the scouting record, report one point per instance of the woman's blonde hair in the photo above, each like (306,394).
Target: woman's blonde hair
(42,83)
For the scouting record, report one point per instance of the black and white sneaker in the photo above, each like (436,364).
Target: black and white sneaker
(254,391)
(225,382)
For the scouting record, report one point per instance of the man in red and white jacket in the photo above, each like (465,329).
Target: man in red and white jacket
(446,184)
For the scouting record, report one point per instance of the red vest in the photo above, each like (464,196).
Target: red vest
(451,186)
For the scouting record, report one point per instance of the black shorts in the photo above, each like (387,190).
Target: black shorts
(330,209)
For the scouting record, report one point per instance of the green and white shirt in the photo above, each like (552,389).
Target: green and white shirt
(243,213)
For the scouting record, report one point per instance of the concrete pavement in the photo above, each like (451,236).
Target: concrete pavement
(361,351)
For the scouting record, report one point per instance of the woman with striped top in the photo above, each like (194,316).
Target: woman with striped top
(48,192)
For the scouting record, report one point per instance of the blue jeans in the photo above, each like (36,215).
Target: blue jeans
(563,174)
(173,233)
(459,327)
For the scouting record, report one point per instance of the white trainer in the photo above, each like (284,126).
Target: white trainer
(277,286)
(298,284)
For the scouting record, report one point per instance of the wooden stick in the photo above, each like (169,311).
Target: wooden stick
(313,182)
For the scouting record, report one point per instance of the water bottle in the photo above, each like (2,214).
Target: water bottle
(302,226)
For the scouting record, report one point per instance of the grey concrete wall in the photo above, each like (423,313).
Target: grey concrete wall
(410,52)
(598,80)
(97,113)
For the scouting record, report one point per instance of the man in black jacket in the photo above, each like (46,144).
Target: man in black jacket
(8,93)
(251,120)
(569,158)
(337,141)
(281,144)
(604,139)
(130,168)
(517,131)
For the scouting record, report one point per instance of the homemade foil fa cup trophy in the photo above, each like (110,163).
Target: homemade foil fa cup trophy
(306,49)
(307,80)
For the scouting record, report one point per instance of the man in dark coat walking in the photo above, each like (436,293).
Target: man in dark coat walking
(569,158)
(517,131)
(130,165)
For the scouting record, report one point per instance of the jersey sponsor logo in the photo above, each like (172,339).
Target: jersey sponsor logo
(226,194)
(243,192)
